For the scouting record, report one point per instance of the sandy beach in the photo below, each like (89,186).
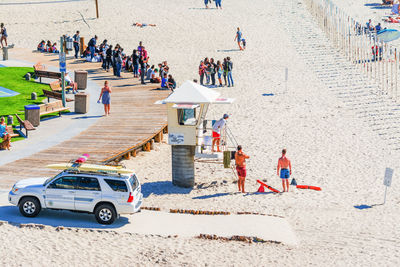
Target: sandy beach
(340,135)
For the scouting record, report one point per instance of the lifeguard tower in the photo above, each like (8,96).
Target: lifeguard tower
(188,134)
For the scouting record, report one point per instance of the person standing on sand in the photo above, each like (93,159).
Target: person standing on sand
(225,67)
(238,38)
(229,65)
(105,97)
(285,168)
(216,132)
(218,3)
(77,41)
(4,35)
(240,160)
(206,3)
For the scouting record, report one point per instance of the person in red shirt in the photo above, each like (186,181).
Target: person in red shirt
(240,160)
(285,168)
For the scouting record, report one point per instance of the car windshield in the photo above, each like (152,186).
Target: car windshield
(50,179)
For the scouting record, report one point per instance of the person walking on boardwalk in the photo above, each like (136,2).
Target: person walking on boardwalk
(77,41)
(285,168)
(4,35)
(238,38)
(216,132)
(105,97)
(240,160)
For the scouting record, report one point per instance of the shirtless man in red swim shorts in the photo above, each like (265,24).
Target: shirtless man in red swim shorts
(240,159)
(285,168)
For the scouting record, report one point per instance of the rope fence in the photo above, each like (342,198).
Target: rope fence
(379,61)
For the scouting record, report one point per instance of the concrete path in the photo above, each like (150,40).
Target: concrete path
(164,223)
(54,130)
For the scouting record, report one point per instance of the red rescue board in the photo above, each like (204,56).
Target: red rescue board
(269,187)
(309,187)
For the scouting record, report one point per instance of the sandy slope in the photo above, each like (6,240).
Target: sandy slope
(330,143)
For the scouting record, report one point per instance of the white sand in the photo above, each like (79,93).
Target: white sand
(337,138)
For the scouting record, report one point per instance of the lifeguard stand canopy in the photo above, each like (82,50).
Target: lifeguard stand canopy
(190,92)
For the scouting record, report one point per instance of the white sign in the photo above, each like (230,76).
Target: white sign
(388,177)
(176,138)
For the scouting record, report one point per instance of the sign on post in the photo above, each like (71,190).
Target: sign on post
(387,181)
(63,64)
(388,177)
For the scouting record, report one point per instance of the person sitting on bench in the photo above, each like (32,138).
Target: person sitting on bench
(71,83)
(4,134)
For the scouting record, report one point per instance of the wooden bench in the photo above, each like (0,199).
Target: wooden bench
(41,72)
(52,107)
(56,86)
(10,131)
(26,124)
(55,95)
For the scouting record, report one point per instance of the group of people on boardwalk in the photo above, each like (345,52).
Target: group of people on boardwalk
(210,69)
(48,47)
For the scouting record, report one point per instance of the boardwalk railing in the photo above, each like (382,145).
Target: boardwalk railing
(376,59)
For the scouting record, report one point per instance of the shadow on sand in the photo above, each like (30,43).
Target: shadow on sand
(364,207)
(162,188)
(58,218)
(228,50)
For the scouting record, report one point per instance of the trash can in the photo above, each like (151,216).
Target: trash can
(32,114)
(81,103)
(81,78)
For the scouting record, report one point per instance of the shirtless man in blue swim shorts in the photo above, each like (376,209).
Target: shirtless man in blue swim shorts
(285,168)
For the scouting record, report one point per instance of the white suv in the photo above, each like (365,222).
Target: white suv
(106,195)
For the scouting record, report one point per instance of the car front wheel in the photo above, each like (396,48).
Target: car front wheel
(29,207)
(105,214)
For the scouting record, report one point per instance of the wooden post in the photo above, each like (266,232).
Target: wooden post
(151,144)
(127,156)
(82,45)
(133,153)
(97,9)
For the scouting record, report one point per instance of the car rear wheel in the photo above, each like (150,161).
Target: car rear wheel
(105,214)
(29,207)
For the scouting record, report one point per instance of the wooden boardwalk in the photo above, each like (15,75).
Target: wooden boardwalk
(135,122)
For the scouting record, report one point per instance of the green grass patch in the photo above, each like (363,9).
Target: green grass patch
(13,78)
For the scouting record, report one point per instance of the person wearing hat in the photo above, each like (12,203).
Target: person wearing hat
(216,134)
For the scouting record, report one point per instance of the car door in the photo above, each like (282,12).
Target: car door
(88,193)
(119,192)
(60,193)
